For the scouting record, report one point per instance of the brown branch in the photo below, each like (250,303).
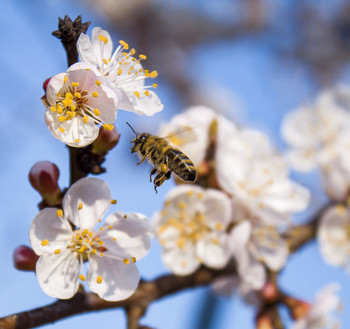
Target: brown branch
(136,305)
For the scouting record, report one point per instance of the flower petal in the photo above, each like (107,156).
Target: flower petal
(58,274)
(47,226)
(94,196)
(119,280)
(144,105)
(132,232)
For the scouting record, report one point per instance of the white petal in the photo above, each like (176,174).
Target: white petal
(58,274)
(181,261)
(133,234)
(144,105)
(47,226)
(212,250)
(53,87)
(95,197)
(119,280)
(240,236)
(102,50)
(217,208)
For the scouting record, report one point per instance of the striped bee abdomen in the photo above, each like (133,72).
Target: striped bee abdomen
(181,165)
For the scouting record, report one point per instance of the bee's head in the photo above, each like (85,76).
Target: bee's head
(138,140)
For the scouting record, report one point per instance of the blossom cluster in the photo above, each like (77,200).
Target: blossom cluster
(88,95)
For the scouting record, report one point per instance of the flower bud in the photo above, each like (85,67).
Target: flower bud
(270,293)
(297,308)
(43,176)
(264,321)
(45,83)
(25,258)
(106,141)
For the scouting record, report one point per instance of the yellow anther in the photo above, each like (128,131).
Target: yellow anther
(65,79)
(77,94)
(154,74)
(94,251)
(137,94)
(101,254)
(200,195)
(146,92)
(100,242)
(44,242)
(82,249)
(133,259)
(120,71)
(73,107)
(97,112)
(167,203)
(85,119)
(126,261)
(189,193)
(61,118)
(57,251)
(99,279)
(108,127)
(52,108)
(61,129)
(98,82)
(183,263)
(215,241)
(219,226)
(59,212)
(110,227)
(132,52)
(69,95)
(71,114)
(100,220)
(114,239)
(155,85)
(113,201)
(102,38)
(341,209)
(95,94)
(58,95)
(163,168)
(261,205)
(125,216)
(143,57)
(80,206)
(82,277)
(181,243)
(75,84)
(124,44)
(104,61)
(65,103)
(59,110)
(101,228)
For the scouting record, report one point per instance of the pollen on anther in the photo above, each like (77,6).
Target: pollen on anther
(52,108)
(59,212)
(124,216)
(102,38)
(65,79)
(113,201)
(155,85)
(82,277)
(101,228)
(120,71)
(133,259)
(110,227)
(97,112)
(108,127)
(154,74)
(137,94)
(61,118)
(61,129)
(99,279)
(143,57)
(85,119)
(114,239)
(77,95)
(57,251)
(126,261)
(77,140)
(98,82)
(105,61)
(101,254)
(45,242)
(146,92)
(100,220)
(95,94)
(73,107)
(75,84)
(80,206)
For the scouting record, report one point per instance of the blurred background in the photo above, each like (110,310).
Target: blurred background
(252,60)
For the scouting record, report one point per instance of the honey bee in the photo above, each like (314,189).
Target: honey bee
(164,157)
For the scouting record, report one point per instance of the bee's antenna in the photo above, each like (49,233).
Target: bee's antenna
(132,129)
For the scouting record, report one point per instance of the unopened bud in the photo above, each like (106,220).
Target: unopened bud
(270,293)
(106,141)
(45,83)
(25,258)
(297,308)
(264,321)
(43,176)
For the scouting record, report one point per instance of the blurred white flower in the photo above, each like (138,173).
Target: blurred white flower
(77,104)
(256,176)
(192,229)
(190,131)
(111,250)
(320,314)
(333,236)
(122,71)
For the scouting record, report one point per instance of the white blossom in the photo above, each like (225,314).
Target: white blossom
(122,71)
(320,314)
(192,229)
(333,236)
(77,104)
(65,238)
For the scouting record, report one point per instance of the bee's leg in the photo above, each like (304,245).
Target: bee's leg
(158,180)
(143,159)
(154,170)
(168,175)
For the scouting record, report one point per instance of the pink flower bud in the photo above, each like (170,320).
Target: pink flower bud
(297,308)
(43,176)
(106,141)
(270,293)
(25,258)
(45,83)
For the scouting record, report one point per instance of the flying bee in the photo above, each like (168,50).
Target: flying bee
(164,157)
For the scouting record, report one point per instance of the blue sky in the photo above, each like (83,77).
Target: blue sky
(242,68)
